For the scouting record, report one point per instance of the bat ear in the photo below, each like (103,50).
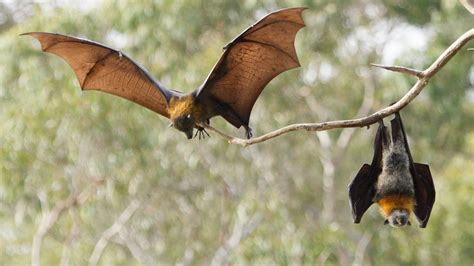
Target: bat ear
(385,222)
(170,125)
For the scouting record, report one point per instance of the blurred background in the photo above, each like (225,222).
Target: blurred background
(89,178)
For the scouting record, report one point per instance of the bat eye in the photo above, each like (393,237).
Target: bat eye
(188,116)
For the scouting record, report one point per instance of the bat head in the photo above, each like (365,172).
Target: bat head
(396,209)
(182,114)
(398,218)
(184,123)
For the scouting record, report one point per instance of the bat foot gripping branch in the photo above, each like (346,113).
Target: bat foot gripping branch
(248,132)
(201,133)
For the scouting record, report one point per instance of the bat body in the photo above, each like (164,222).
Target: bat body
(249,62)
(397,184)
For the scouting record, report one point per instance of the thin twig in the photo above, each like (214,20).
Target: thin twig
(71,238)
(112,230)
(49,219)
(241,230)
(137,252)
(421,83)
(400,69)
(361,249)
(468,4)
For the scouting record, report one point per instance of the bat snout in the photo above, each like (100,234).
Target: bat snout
(403,220)
(185,124)
(398,218)
(189,134)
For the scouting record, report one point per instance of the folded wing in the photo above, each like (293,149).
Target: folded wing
(362,188)
(425,193)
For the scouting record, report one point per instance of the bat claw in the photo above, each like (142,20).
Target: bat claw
(201,133)
(248,132)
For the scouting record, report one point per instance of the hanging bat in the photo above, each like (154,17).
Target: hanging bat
(249,62)
(397,184)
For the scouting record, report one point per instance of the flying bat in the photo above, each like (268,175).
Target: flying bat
(247,65)
(397,184)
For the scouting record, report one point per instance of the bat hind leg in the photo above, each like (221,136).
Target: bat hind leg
(232,117)
(201,132)
(248,132)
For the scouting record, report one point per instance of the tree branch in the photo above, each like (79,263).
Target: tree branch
(423,79)
(400,69)
(112,230)
(135,249)
(71,238)
(243,227)
(361,249)
(50,217)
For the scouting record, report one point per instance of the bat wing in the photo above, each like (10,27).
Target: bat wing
(98,67)
(251,60)
(362,189)
(425,193)
(424,187)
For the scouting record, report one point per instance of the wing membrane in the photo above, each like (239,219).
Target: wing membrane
(252,60)
(98,67)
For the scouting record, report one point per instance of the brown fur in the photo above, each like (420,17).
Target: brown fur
(389,203)
(183,106)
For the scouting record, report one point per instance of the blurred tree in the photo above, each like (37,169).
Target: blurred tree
(91,178)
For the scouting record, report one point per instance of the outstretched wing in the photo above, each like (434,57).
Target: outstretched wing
(251,60)
(101,68)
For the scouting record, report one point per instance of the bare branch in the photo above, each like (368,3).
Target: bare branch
(364,109)
(361,248)
(73,234)
(49,218)
(241,230)
(468,4)
(134,248)
(112,230)
(367,120)
(323,257)
(405,70)
(326,157)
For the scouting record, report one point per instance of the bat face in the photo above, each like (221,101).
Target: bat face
(398,218)
(183,113)
(185,124)
(396,209)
